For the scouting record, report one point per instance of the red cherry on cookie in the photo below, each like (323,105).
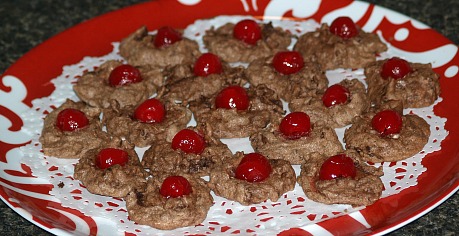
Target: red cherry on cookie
(344,27)
(253,167)
(189,141)
(150,111)
(233,97)
(288,62)
(166,36)
(71,119)
(123,75)
(207,64)
(248,31)
(295,125)
(387,122)
(175,186)
(335,95)
(111,156)
(395,68)
(339,166)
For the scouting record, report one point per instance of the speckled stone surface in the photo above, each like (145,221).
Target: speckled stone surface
(26,23)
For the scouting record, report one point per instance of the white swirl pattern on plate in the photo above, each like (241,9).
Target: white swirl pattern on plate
(13,101)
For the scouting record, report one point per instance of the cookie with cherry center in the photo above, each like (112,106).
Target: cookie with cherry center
(205,77)
(164,47)
(237,112)
(111,170)
(340,178)
(246,40)
(342,44)
(191,151)
(294,137)
(71,130)
(114,81)
(170,201)
(252,178)
(336,106)
(416,85)
(387,135)
(150,121)
(288,74)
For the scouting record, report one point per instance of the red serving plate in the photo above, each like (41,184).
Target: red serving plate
(29,78)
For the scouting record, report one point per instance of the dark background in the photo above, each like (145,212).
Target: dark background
(26,23)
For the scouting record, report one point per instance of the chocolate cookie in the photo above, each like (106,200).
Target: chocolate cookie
(274,145)
(362,190)
(120,122)
(418,88)
(222,42)
(116,180)
(332,51)
(72,144)
(281,180)
(138,49)
(338,115)
(147,206)
(94,87)
(264,107)
(161,157)
(374,147)
(290,86)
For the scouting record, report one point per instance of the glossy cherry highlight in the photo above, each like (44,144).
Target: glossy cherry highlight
(335,95)
(71,119)
(248,31)
(189,141)
(111,156)
(344,27)
(295,125)
(150,111)
(253,167)
(233,97)
(124,75)
(175,186)
(395,68)
(207,64)
(338,166)
(166,36)
(387,122)
(288,62)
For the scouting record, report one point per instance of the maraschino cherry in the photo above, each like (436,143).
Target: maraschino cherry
(335,95)
(395,68)
(111,156)
(175,186)
(166,36)
(189,141)
(253,167)
(150,111)
(248,31)
(288,62)
(344,27)
(338,166)
(387,122)
(233,97)
(124,75)
(295,125)
(206,64)
(71,119)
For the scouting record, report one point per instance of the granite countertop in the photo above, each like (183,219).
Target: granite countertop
(26,23)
